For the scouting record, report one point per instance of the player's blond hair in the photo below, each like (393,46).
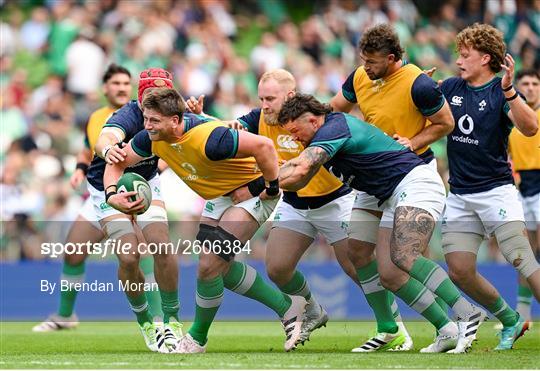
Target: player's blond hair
(486,39)
(283,77)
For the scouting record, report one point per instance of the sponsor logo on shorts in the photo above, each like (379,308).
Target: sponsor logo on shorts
(444,220)
(209,206)
(157,190)
(104,206)
(257,205)
(502,213)
(277,217)
(344,225)
(402,196)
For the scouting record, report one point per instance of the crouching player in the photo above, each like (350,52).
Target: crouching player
(213,160)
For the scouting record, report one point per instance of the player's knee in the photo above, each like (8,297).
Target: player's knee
(360,253)
(278,273)
(516,249)
(129,262)
(206,267)
(401,258)
(462,276)
(391,279)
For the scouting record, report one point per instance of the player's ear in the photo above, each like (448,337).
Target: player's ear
(486,58)
(391,58)
(175,121)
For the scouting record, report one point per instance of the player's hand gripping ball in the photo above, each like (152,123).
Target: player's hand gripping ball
(134,182)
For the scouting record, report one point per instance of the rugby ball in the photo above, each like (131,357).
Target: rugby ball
(134,182)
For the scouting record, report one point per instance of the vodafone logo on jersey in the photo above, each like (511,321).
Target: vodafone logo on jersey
(466,126)
(287,143)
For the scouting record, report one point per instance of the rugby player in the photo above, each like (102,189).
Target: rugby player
(483,199)
(123,125)
(213,160)
(411,194)
(324,205)
(117,90)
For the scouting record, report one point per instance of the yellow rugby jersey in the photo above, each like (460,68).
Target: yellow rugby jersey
(397,104)
(525,151)
(95,124)
(203,158)
(322,183)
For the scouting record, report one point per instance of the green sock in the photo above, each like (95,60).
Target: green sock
(379,299)
(72,274)
(139,306)
(524,301)
(503,312)
(208,299)
(170,305)
(153,296)
(442,304)
(297,286)
(432,276)
(419,298)
(245,280)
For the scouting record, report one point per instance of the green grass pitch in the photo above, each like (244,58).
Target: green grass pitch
(241,345)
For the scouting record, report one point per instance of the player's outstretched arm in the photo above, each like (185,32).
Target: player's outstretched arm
(113,172)
(521,115)
(296,173)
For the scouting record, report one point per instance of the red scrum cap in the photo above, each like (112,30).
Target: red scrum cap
(154,78)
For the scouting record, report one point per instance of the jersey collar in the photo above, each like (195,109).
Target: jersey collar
(482,87)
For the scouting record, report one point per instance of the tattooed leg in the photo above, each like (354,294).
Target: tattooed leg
(412,231)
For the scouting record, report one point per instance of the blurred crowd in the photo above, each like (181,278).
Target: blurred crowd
(53,54)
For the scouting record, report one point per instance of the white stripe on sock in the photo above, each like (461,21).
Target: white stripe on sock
(247,281)
(423,302)
(208,302)
(436,279)
(372,286)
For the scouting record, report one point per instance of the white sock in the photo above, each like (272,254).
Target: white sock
(462,307)
(524,310)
